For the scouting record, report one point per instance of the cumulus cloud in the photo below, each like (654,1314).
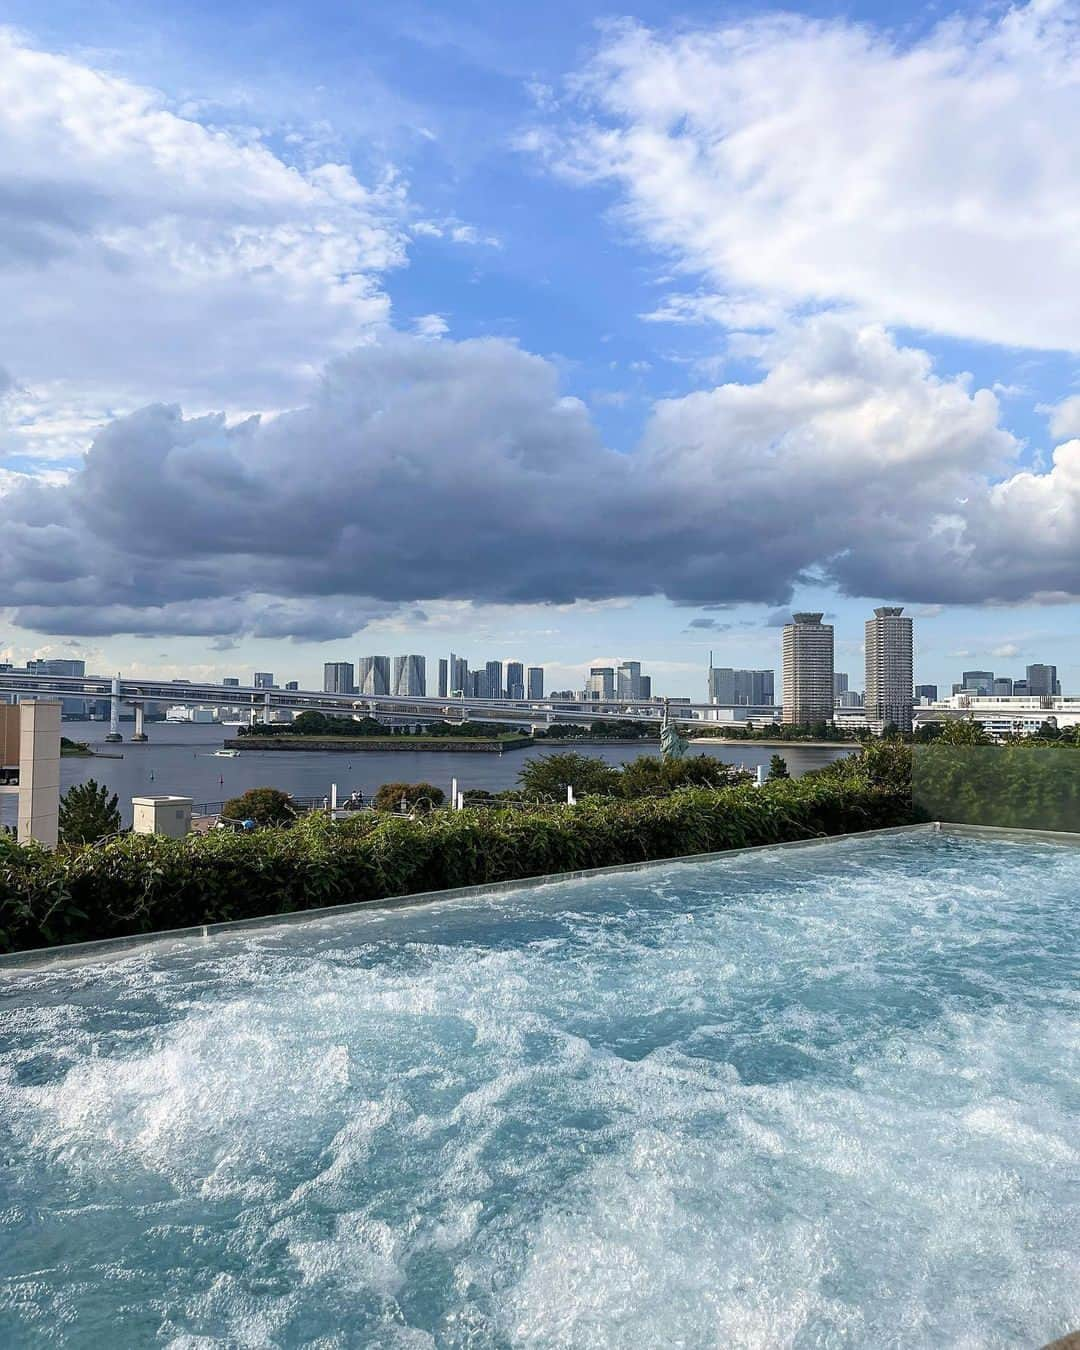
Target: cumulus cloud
(457,471)
(794,161)
(1065,418)
(145,255)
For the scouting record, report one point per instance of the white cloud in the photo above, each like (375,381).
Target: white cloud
(430,326)
(933,183)
(1064,417)
(146,255)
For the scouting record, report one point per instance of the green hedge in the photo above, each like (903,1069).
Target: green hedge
(144,883)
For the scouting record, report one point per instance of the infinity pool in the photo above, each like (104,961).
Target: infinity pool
(817,1097)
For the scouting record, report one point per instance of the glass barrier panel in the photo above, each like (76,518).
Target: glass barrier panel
(1013,786)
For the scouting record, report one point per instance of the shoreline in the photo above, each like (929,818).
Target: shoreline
(775,744)
(377,744)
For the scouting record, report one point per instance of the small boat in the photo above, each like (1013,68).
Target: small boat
(226,754)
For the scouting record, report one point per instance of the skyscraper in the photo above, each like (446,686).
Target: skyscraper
(459,675)
(536,681)
(628,680)
(1003,686)
(645,688)
(373,675)
(927,691)
(889,669)
(977,682)
(410,677)
(739,688)
(444,676)
(494,672)
(339,677)
(515,679)
(1042,681)
(808,669)
(601,684)
(264,679)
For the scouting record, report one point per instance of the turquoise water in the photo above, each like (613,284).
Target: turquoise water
(822,1097)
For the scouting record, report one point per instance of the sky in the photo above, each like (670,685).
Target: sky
(565,333)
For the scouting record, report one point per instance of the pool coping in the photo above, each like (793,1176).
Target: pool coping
(75,953)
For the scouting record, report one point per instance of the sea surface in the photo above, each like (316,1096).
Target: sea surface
(179,759)
(823,1097)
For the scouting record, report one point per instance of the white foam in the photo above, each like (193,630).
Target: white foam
(830,1112)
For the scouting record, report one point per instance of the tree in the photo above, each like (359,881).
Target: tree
(966,732)
(551,775)
(310,724)
(87,813)
(649,774)
(778,768)
(416,796)
(263,805)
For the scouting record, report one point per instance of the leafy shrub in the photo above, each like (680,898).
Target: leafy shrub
(87,813)
(263,805)
(415,796)
(963,732)
(145,883)
(549,776)
(650,774)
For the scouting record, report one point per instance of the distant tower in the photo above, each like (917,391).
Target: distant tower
(515,679)
(808,670)
(889,669)
(495,687)
(373,675)
(410,677)
(339,677)
(628,680)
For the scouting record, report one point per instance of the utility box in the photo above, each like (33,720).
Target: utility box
(170,816)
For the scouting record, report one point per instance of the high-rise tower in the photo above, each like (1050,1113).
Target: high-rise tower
(808,670)
(889,669)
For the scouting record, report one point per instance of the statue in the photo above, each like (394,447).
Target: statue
(672,745)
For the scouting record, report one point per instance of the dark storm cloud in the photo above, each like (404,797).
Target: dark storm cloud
(457,471)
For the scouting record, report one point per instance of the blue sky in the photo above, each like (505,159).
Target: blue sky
(807,274)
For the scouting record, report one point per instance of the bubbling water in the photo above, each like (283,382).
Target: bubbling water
(826,1097)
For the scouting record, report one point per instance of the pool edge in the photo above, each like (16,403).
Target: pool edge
(42,958)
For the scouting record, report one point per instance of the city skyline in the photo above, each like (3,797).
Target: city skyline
(678,680)
(341,326)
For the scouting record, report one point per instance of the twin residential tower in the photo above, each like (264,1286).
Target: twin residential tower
(809,687)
